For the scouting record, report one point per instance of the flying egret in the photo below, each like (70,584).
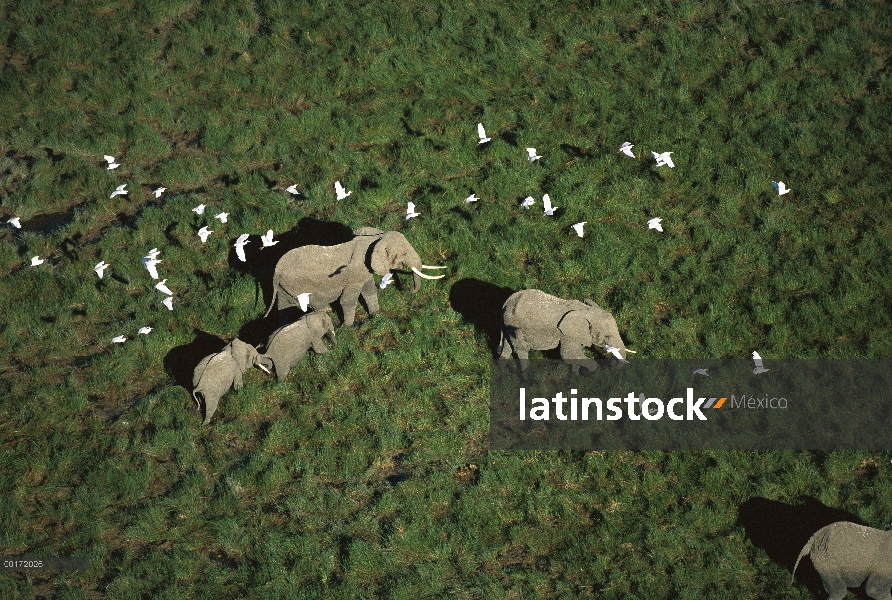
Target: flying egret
(386,280)
(119,340)
(626,149)
(203,233)
(100,268)
(655,224)
(36,260)
(161,287)
(481,133)
(410,212)
(549,209)
(240,246)
(757,360)
(199,210)
(268,239)
(780,187)
(532,153)
(292,189)
(153,254)
(471,198)
(340,191)
(145,330)
(527,202)
(614,351)
(159,191)
(304,300)
(119,191)
(700,372)
(222,216)
(150,266)
(168,302)
(578,228)
(111,162)
(15,222)
(664,159)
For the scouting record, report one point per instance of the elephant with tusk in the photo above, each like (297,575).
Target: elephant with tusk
(287,345)
(344,272)
(534,320)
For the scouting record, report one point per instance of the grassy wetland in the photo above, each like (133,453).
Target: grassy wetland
(367,473)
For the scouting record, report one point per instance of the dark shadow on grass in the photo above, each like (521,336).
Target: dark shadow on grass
(462,213)
(260,263)
(480,303)
(181,361)
(781,530)
(575,151)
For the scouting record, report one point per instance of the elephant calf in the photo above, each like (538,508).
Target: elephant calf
(846,554)
(216,373)
(534,320)
(288,345)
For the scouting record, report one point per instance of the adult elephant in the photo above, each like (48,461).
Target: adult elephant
(344,272)
(534,320)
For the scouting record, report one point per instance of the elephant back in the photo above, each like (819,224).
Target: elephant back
(282,332)
(201,367)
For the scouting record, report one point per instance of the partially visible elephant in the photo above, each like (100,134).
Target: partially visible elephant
(288,345)
(216,373)
(846,555)
(534,320)
(344,271)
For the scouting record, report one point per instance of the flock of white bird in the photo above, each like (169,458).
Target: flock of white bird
(150,261)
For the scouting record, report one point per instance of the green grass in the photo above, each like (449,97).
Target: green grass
(351,479)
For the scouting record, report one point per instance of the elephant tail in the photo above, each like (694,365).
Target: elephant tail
(805,550)
(275,293)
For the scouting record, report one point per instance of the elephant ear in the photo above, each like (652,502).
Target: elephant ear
(316,324)
(576,328)
(243,354)
(381,259)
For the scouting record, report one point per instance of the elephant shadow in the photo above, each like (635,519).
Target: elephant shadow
(480,303)
(181,361)
(260,263)
(781,530)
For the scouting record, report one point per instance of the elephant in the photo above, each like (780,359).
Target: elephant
(846,554)
(287,345)
(344,271)
(534,320)
(216,373)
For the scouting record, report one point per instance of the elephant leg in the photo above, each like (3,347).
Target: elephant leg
(879,588)
(571,354)
(348,305)
(505,350)
(319,347)
(835,587)
(370,296)
(237,382)
(210,407)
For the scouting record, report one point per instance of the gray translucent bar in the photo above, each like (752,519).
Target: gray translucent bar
(74,563)
(791,404)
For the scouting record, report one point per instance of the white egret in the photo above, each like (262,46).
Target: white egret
(481,133)
(780,187)
(268,239)
(578,227)
(119,340)
(700,372)
(292,189)
(386,280)
(527,202)
(626,149)
(100,268)
(145,330)
(159,191)
(549,209)
(222,217)
(15,222)
(664,159)
(757,360)
(614,351)
(199,210)
(162,287)
(410,212)
(36,260)
(168,302)
(532,153)
(655,224)
(240,246)
(304,300)
(471,198)
(340,191)
(203,233)
(111,162)
(119,191)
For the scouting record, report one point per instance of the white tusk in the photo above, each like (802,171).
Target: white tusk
(264,369)
(632,351)
(430,267)
(420,274)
